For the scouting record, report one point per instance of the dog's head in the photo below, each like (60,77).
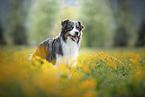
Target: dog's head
(72,29)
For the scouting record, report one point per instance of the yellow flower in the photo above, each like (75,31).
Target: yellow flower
(106,57)
(100,53)
(139,74)
(130,54)
(101,58)
(133,61)
(143,55)
(119,61)
(137,57)
(122,64)
(92,66)
(43,67)
(89,94)
(33,67)
(115,67)
(109,63)
(116,54)
(130,64)
(71,92)
(113,58)
(77,76)
(88,84)
(62,69)
(86,69)
(37,57)
(80,65)
(36,62)
(72,68)
(73,61)
(90,61)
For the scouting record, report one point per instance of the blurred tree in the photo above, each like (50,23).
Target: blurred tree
(42,17)
(17,18)
(2,39)
(124,22)
(141,35)
(121,37)
(97,18)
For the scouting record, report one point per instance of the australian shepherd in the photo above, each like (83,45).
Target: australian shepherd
(63,49)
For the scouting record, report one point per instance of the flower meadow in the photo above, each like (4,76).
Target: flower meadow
(97,74)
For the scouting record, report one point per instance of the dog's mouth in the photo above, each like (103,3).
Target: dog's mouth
(74,38)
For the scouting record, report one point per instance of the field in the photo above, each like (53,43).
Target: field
(113,72)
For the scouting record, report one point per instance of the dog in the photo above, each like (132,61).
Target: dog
(63,49)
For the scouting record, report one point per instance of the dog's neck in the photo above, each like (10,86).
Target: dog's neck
(70,51)
(69,47)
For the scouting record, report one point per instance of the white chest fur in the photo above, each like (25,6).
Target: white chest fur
(70,52)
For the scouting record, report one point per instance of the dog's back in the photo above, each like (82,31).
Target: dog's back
(48,49)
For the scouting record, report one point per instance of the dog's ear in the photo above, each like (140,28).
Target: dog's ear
(64,23)
(82,26)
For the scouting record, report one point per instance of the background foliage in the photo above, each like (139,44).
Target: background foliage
(108,22)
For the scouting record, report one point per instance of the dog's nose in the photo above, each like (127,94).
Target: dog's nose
(76,33)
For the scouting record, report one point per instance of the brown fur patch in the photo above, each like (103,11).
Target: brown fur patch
(42,52)
(66,35)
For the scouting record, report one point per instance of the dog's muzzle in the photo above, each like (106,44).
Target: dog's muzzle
(75,37)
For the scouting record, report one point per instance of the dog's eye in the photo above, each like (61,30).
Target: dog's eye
(71,27)
(77,26)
